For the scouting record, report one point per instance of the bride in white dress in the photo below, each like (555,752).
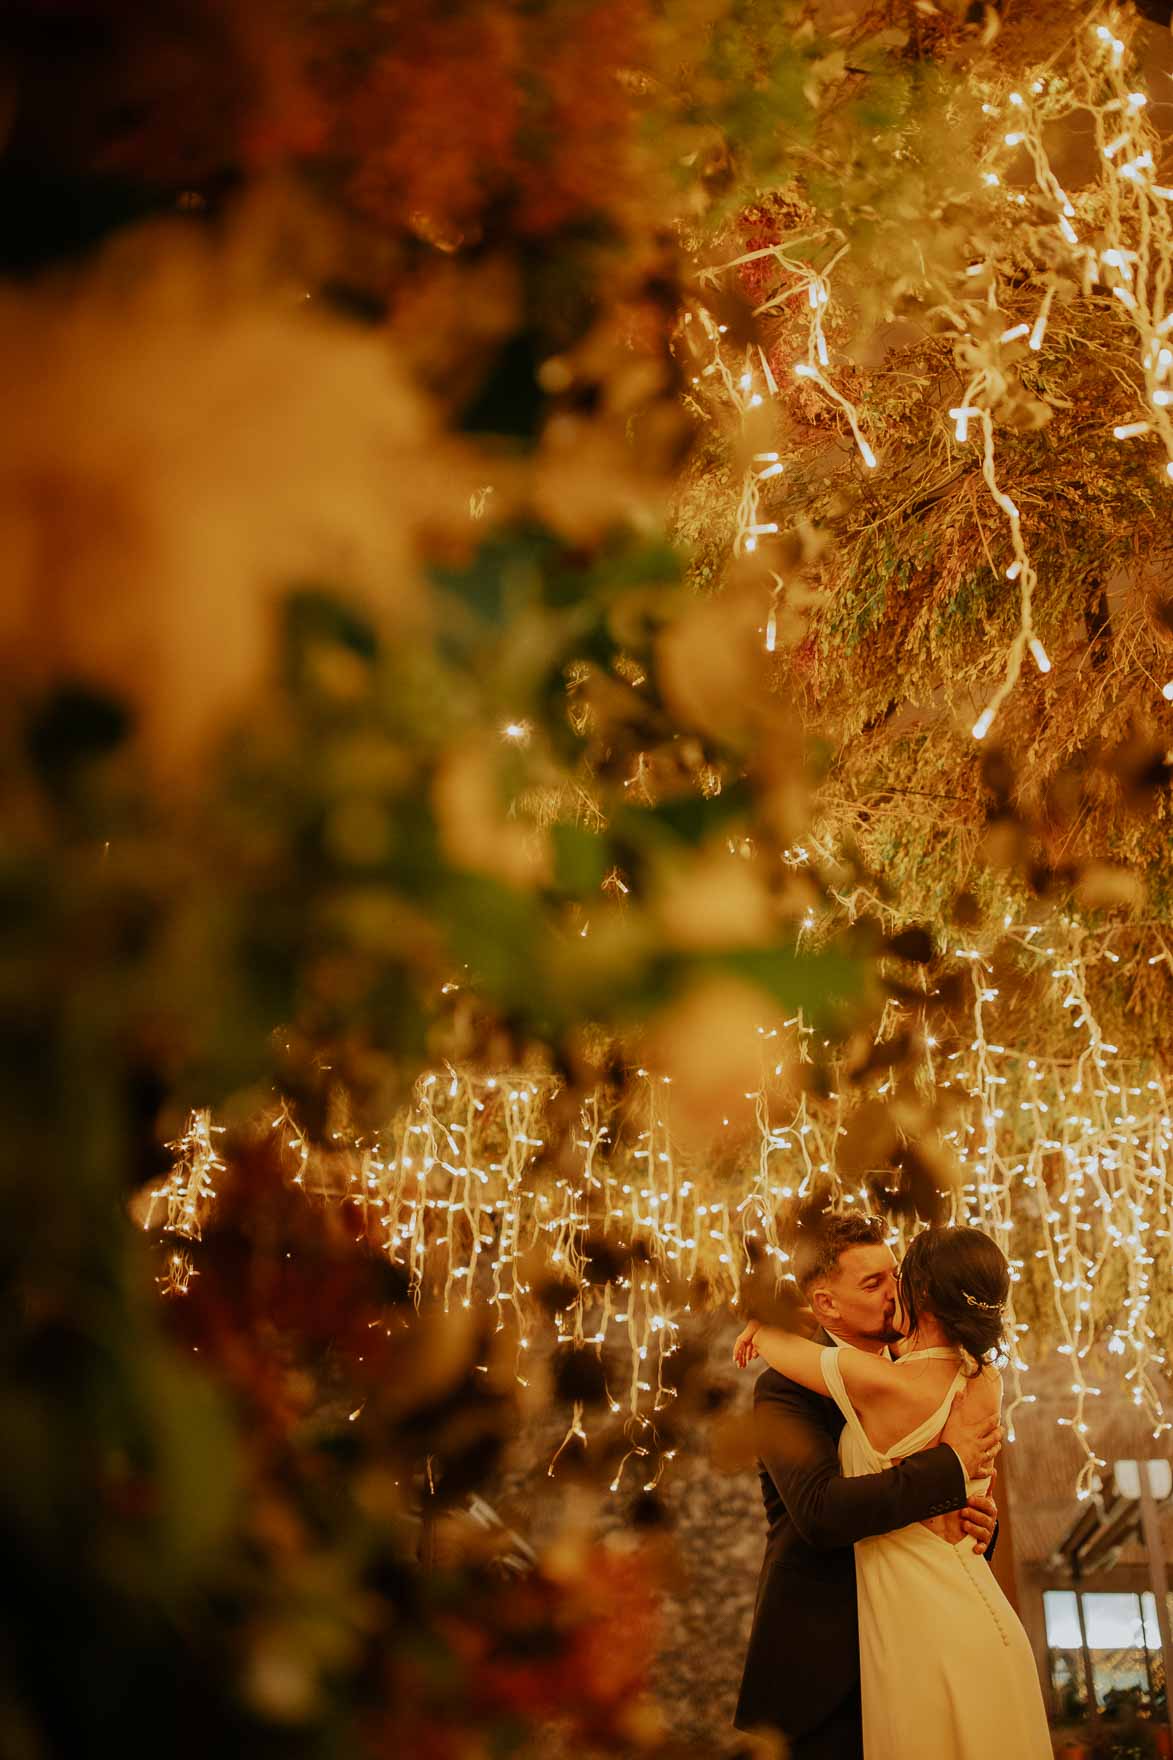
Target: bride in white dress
(946,1669)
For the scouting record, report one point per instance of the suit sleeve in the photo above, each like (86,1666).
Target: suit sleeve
(801,1455)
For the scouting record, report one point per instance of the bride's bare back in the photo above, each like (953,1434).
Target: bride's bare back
(893,1411)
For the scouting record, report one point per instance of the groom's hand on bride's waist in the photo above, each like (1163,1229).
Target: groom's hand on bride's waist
(979,1518)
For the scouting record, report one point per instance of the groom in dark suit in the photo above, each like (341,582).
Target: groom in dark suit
(802,1667)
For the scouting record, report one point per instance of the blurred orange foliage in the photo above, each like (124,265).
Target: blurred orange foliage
(491,107)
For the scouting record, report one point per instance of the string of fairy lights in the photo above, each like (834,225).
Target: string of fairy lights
(1113,235)
(1080,1145)
(1067,1160)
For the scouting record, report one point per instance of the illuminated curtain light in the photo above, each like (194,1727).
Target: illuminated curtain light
(1091,1167)
(1068,1155)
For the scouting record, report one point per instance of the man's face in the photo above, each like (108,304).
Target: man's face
(858,1299)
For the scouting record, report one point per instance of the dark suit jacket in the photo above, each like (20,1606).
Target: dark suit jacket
(803,1656)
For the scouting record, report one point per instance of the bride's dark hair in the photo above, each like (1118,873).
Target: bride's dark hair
(960,1276)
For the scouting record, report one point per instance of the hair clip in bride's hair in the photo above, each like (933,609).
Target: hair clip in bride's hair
(986,1307)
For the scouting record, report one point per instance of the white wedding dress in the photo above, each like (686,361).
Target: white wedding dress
(946,1669)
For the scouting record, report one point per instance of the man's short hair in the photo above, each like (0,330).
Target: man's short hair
(821,1243)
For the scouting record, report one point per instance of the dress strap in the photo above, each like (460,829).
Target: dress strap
(833,1376)
(939,1351)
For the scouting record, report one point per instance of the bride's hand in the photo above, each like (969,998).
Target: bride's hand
(745,1350)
